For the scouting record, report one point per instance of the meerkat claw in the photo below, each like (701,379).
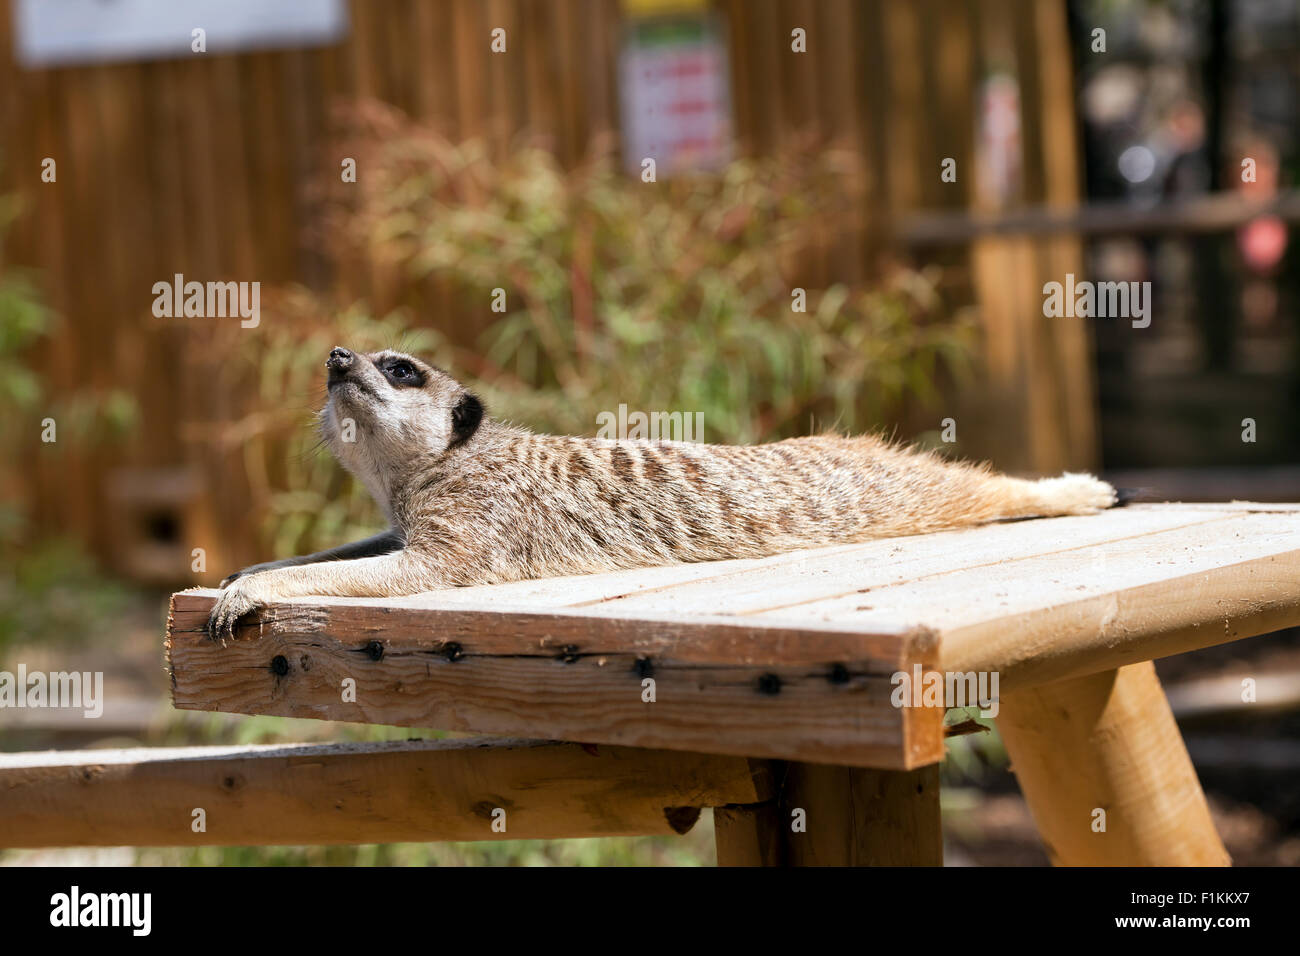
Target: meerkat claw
(233,605)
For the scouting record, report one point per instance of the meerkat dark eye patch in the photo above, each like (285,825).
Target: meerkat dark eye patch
(465,418)
(402,373)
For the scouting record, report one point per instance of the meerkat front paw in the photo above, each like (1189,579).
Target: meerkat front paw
(239,599)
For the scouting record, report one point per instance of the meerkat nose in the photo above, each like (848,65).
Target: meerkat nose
(339,362)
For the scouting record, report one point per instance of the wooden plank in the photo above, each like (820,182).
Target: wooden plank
(1042,404)
(470,46)
(569,46)
(908,155)
(1106,775)
(719,686)
(589,590)
(417,790)
(1072,356)
(766,48)
(1057,120)
(1206,214)
(1181,578)
(500,69)
(1141,623)
(434,89)
(850,573)
(1068,344)
(1025,52)
(954,77)
(1001,402)
(812,574)
(856,817)
(1008,590)
(841,123)
(600,73)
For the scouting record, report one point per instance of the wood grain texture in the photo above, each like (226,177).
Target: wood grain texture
(719,686)
(749,835)
(788,657)
(859,817)
(1108,742)
(361,793)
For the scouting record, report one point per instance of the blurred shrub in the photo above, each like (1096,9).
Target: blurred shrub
(666,296)
(49,589)
(23,320)
(675,296)
(693,849)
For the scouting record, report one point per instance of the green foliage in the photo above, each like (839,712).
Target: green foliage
(674,296)
(49,589)
(23,320)
(666,296)
(82,416)
(52,592)
(694,849)
(973,758)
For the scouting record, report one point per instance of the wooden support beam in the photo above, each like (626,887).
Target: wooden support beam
(858,817)
(422,790)
(749,835)
(725,686)
(1219,212)
(1105,748)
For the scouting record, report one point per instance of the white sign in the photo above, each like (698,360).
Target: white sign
(675,95)
(66,32)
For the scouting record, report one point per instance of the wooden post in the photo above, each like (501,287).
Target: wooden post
(858,817)
(749,835)
(1108,743)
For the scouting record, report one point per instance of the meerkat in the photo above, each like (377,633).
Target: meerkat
(470,500)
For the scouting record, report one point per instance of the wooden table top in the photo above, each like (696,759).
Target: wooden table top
(806,638)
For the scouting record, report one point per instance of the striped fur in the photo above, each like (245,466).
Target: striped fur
(502,504)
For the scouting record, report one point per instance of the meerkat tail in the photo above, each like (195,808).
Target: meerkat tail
(1073,493)
(916,492)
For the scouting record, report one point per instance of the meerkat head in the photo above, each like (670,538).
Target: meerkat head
(387,411)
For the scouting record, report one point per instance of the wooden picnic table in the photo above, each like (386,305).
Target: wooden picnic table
(758,688)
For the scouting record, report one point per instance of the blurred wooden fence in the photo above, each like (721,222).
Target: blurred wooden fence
(201,166)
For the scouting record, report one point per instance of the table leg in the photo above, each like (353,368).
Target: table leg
(1106,774)
(838,816)
(748,836)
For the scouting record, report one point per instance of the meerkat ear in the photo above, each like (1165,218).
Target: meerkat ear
(465,418)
